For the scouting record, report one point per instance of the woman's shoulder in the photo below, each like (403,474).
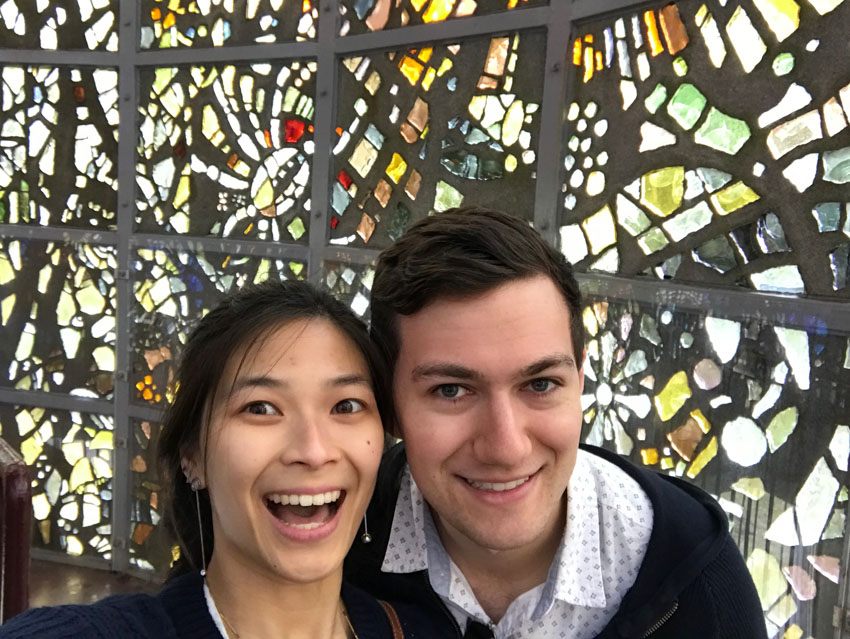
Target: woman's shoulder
(122,615)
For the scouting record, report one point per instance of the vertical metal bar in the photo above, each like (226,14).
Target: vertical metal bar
(127,90)
(324,130)
(547,190)
(843,589)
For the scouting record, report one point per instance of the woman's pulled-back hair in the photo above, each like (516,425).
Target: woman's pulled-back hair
(236,324)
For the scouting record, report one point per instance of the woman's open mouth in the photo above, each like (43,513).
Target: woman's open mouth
(304,511)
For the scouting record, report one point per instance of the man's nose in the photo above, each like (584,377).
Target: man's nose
(502,438)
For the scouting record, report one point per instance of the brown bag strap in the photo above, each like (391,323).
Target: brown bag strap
(398,633)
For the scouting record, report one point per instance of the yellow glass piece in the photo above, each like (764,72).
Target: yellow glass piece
(26,423)
(8,304)
(101,467)
(655,45)
(649,456)
(73,451)
(667,463)
(74,546)
(81,475)
(825,6)
(183,192)
(794,632)
(476,106)
(410,69)
(445,65)
(102,440)
(600,230)
(782,16)
(701,420)
(425,54)
(708,453)
(588,64)
(40,507)
(673,396)
(418,4)
(396,168)
(104,357)
(751,487)
(577,52)
(510,163)
(590,323)
(512,125)
(438,10)
(265,194)
(733,198)
(31,448)
(662,190)
(430,74)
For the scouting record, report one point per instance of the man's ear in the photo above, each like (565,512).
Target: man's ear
(581,371)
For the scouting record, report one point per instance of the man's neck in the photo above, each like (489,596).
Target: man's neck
(498,577)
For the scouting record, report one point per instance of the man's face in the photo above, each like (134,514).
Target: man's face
(487,392)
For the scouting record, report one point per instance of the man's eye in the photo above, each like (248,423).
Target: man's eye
(451,391)
(261,408)
(542,385)
(348,406)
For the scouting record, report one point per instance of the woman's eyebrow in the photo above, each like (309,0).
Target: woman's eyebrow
(348,380)
(258,381)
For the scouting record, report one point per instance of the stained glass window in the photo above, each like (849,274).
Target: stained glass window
(62,24)
(58,146)
(424,129)
(702,145)
(70,457)
(359,16)
(216,23)
(57,303)
(226,150)
(351,283)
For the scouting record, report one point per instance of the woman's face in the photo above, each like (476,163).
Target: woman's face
(295,439)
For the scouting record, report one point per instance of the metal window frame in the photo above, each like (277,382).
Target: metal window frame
(557,19)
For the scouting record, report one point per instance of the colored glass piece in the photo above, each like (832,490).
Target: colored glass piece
(673,29)
(655,45)
(836,166)
(652,241)
(686,438)
(722,132)
(783,63)
(686,105)
(782,16)
(733,198)
(396,168)
(600,230)
(788,136)
(750,487)
(687,222)
(676,392)
(656,98)
(662,190)
(703,458)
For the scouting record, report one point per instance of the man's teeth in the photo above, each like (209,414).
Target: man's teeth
(305,500)
(498,487)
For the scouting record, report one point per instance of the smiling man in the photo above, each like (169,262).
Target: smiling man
(490,513)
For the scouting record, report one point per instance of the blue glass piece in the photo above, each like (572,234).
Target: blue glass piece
(609,47)
(839,262)
(827,215)
(496,147)
(226,29)
(339,199)
(190,32)
(363,7)
(452,83)
(464,128)
(375,137)
(37,94)
(476,136)
(422,151)
(454,122)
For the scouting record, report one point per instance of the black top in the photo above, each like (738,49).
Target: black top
(693,582)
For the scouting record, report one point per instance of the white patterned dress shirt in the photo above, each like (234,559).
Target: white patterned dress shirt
(609,522)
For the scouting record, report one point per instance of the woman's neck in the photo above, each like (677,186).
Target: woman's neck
(253,604)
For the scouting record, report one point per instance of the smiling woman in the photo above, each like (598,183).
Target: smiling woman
(270,452)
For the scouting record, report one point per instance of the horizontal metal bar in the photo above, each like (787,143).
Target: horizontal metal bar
(146,413)
(450,30)
(221,245)
(56,401)
(212,55)
(350,255)
(57,234)
(783,310)
(586,9)
(38,57)
(58,557)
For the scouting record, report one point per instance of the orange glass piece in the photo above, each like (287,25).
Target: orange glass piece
(599,61)
(497,56)
(438,10)
(377,20)
(306,6)
(418,115)
(649,456)
(410,69)
(366,228)
(141,533)
(487,83)
(408,133)
(426,53)
(156,14)
(169,21)
(655,46)
(383,191)
(673,29)
(267,135)
(589,38)
(577,52)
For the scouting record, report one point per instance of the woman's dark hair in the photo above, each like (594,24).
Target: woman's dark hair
(237,323)
(461,253)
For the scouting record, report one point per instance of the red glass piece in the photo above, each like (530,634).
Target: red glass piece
(344,179)
(293,131)
(334,222)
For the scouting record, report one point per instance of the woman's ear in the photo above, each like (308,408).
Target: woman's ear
(192,472)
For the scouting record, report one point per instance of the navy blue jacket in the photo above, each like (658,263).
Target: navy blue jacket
(179,611)
(692,584)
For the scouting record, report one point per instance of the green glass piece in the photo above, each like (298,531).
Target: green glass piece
(713,178)
(716,254)
(781,427)
(843,494)
(780,279)
(814,502)
(649,330)
(296,228)
(673,396)
(722,132)
(398,222)
(680,66)
(630,216)
(652,241)
(733,198)
(635,364)
(687,222)
(827,215)
(662,190)
(655,99)
(783,63)
(836,166)
(835,527)
(751,487)
(446,197)
(686,106)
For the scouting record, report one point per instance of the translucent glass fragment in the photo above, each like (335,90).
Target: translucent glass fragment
(836,166)
(750,487)
(713,178)
(801,583)
(687,222)
(686,438)
(652,241)
(686,105)
(654,137)
(722,132)
(784,609)
(655,99)
(674,395)
(783,63)
(767,576)
(713,41)
(839,446)
(801,172)
(703,458)
(796,345)
(600,230)
(673,29)
(814,502)
(782,16)
(743,441)
(780,279)
(781,427)
(746,41)
(707,374)
(573,243)
(833,117)
(825,6)
(797,132)
(795,98)
(725,335)
(662,190)
(733,198)
(783,530)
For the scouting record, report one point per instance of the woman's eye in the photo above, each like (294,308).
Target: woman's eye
(348,406)
(450,391)
(261,408)
(542,385)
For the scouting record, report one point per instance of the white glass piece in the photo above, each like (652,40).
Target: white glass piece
(643,66)
(693,185)
(720,400)
(714,41)
(629,93)
(801,172)
(758,169)
(839,446)
(725,335)
(744,442)
(654,137)
(746,40)
(795,98)
(640,405)
(812,45)
(608,263)
(783,530)
(689,221)
(814,502)
(780,279)
(788,136)
(796,345)
(833,117)
(573,244)
(767,401)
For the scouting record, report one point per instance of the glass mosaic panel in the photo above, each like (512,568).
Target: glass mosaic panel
(172,290)
(362,16)
(226,150)
(216,23)
(150,544)
(423,129)
(70,460)
(708,142)
(59,24)
(754,413)
(57,305)
(350,283)
(58,146)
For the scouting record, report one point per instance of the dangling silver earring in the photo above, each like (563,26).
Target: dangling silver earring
(195,484)
(366,538)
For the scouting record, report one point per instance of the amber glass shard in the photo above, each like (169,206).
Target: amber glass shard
(655,45)
(673,29)
(686,438)
(366,227)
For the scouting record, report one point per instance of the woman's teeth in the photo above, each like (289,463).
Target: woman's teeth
(305,500)
(497,487)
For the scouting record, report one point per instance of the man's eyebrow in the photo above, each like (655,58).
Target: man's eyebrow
(551,361)
(443,369)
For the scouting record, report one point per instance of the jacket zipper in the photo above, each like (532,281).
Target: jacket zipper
(441,604)
(662,621)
